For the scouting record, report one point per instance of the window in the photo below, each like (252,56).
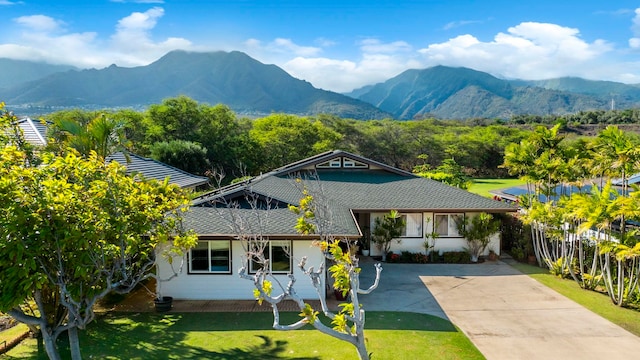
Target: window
(413,225)
(278,252)
(349,163)
(445,224)
(342,162)
(211,256)
(334,163)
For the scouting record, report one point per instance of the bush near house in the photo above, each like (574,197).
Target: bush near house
(449,257)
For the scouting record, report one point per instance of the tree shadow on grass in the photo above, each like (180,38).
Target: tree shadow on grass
(144,336)
(215,336)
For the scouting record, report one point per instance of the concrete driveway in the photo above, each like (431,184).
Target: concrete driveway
(506,314)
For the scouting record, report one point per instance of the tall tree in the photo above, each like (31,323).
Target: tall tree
(177,118)
(185,155)
(75,229)
(286,138)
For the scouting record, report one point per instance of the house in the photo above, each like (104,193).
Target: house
(35,133)
(356,190)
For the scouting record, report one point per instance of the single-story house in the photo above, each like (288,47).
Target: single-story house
(356,190)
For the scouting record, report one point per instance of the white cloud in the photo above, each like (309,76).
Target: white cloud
(39,23)
(379,61)
(132,39)
(324,43)
(42,38)
(456,24)
(279,47)
(376,46)
(7,2)
(528,50)
(634,42)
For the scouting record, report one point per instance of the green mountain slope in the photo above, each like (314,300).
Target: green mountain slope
(15,72)
(593,87)
(462,93)
(234,78)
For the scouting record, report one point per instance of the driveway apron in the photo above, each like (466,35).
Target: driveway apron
(506,314)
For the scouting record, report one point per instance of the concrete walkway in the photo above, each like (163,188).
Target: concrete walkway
(506,314)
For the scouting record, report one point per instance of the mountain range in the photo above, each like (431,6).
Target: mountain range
(250,87)
(232,78)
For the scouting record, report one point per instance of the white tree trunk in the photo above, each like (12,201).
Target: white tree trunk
(74,342)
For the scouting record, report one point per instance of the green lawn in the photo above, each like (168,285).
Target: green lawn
(483,186)
(598,303)
(12,333)
(244,336)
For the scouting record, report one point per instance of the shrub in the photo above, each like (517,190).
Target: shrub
(419,258)
(456,257)
(406,257)
(393,258)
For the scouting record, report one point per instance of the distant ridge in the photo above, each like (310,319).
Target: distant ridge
(232,78)
(252,88)
(15,72)
(462,93)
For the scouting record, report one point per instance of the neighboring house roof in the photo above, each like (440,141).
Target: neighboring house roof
(633,179)
(349,183)
(153,169)
(513,194)
(35,132)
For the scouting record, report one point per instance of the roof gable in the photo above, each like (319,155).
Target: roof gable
(337,159)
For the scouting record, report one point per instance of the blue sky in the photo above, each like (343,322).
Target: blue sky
(338,45)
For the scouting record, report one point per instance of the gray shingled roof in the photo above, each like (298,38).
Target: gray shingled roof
(152,169)
(382,188)
(221,221)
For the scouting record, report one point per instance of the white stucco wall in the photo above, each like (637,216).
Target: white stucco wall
(443,244)
(230,286)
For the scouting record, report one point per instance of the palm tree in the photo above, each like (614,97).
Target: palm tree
(103,134)
(597,210)
(618,153)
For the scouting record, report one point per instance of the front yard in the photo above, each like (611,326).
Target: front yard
(391,335)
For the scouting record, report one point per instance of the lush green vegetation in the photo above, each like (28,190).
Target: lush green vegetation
(179,129)
(626,116)
(76,228)
(583,230)
(599,303)
(390,335)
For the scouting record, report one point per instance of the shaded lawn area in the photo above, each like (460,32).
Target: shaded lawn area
(483,186)
(596,302)
(240,336)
